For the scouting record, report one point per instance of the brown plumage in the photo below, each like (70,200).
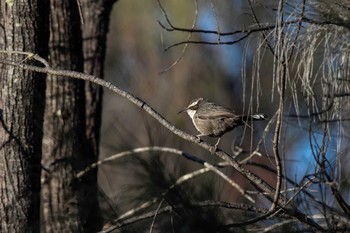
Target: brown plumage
(214,120)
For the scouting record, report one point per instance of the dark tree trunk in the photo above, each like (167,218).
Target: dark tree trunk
(23,27)
(96,14)
(64,144)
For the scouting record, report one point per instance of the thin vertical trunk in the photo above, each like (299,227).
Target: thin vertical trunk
(95,28)
(22,28)
(96,15)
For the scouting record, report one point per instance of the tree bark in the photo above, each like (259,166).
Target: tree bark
(95,28)
(64,144)
(23,27)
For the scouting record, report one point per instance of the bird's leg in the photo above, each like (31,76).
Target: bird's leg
(199,137)
(217,144)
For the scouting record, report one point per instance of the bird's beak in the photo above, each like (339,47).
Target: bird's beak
(183,110)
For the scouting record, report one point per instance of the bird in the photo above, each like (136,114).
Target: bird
(214,120)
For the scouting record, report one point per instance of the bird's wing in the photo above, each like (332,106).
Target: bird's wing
(215,113)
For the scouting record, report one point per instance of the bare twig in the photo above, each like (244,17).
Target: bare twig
(231,205)
(188,37)
(82,21)
(209,42)
(282,75)
(28,56)
(276,225)
(259,26)
(298,29)
(155,215)
(136,151)
(208,166)
(115,225)
(263,27)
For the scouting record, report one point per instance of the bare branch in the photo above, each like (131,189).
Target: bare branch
(208,166)
(188,37)
(115,225)
(140,150)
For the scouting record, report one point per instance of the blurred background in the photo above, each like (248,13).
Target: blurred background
(136,61)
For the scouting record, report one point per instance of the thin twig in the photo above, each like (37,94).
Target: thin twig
(188,37)
(136,151)
(282,75)
(298,29)
(115,225)
(209,42)
(155,215)
(259,26)
(208,166)
(82,21)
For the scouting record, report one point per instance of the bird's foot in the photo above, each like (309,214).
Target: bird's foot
(216,146)
(214,149)
(198,139)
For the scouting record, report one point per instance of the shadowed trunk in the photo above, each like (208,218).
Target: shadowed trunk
(96,20)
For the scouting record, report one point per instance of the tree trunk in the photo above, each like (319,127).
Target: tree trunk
(23,27)
(96,16)
(95,28)
(64,144)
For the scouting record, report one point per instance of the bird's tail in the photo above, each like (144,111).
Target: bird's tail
(259,116)
(254,117)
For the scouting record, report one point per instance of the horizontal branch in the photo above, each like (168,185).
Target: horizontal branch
(258,28)
(140,150)
(244,33)
(208,42)
(231,205)
(203,31)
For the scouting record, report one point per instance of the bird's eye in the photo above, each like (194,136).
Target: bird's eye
(193,107)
